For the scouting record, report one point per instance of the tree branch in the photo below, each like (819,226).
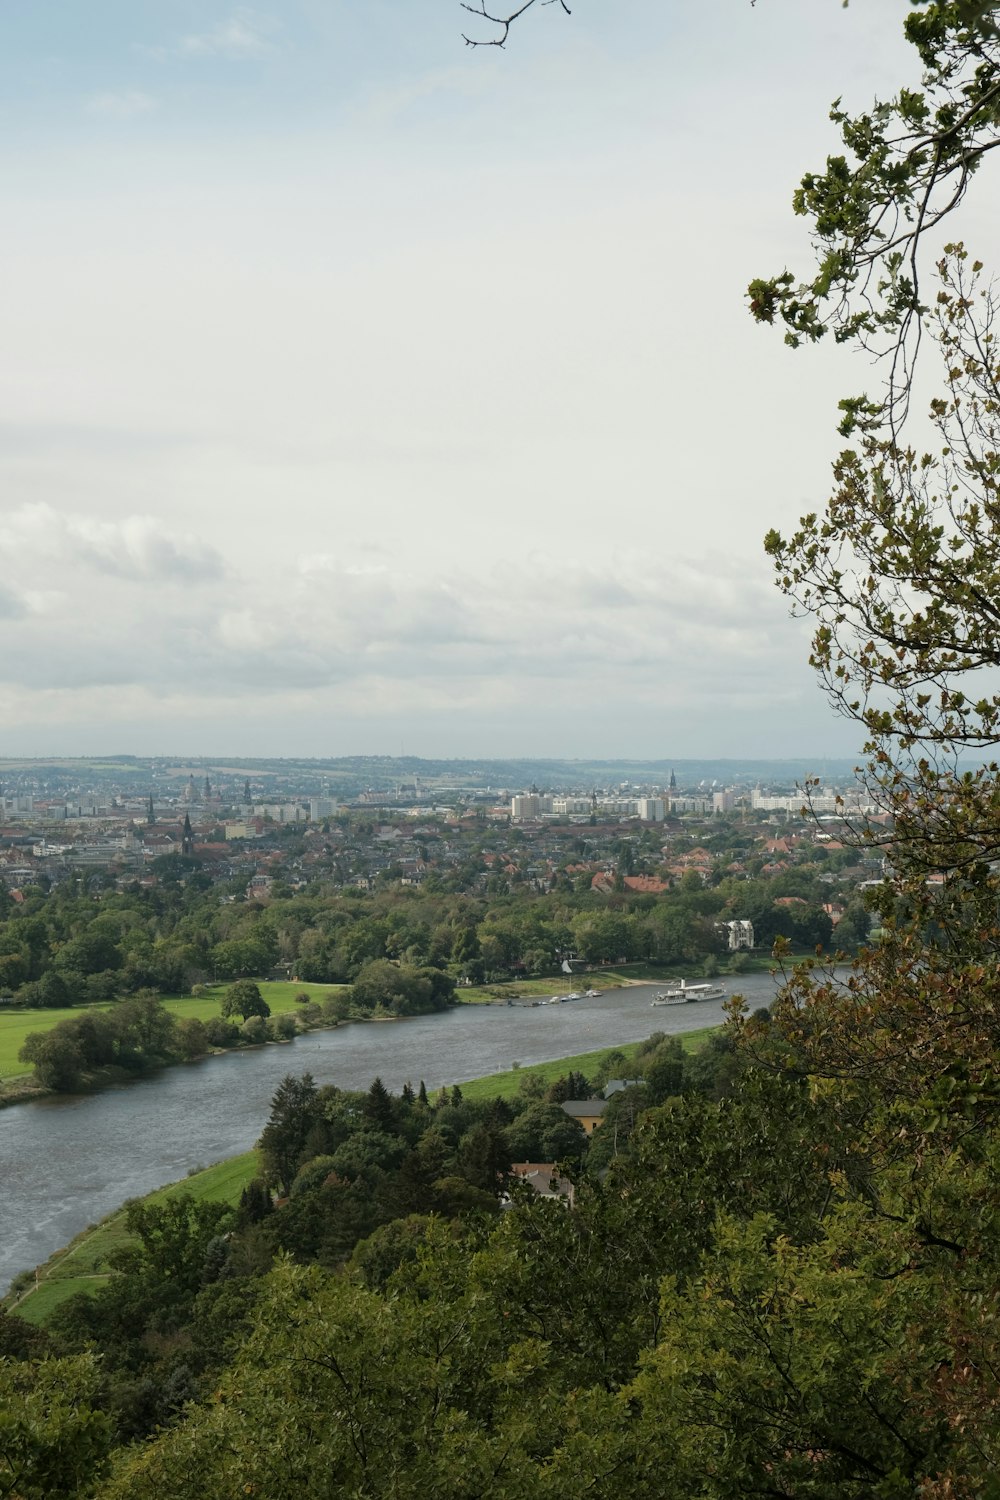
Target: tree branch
(505,22)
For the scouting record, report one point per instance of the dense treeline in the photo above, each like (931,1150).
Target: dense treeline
(81,941)
(777,1277)
(353,1183)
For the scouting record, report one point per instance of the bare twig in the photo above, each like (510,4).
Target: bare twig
(505,22)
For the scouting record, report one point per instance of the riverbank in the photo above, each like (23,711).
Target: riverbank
(614,977)
(84,1262)
(16,1025)
(18,1085)
(17,1082)
(507,1085)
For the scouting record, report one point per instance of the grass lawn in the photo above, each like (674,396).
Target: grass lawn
(16,1024)
(84,1264)
(508,1085)
(279,993)
(14,1028)
(560,984)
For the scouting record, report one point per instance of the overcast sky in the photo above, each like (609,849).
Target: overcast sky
(363,392)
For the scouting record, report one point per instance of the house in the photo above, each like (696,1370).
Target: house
(615,1085)
(586,1112)
(738,934)
(543,1179)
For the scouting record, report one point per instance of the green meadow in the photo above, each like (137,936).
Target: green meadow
(15,1025)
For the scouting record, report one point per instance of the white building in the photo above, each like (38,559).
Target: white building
(739,933)
(568,807)
(690,804)
(651,809)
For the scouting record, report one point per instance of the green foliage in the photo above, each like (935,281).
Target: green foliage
(907,163)
(53,1439)
(295,1112)
(137,1034)
(245,999)
(401,989)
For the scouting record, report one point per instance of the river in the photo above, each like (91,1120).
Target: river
(66,1162)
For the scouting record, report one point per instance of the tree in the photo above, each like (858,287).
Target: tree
(56,1057)
(192,1038)
(171,1239)
(401,988)
(245,999)
(907,166)
(378,1106)
(504,23)
(145,1027)
(664,1071)
(901,577)
(295,1110)
(54,1439)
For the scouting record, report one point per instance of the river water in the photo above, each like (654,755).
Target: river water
(65,1163)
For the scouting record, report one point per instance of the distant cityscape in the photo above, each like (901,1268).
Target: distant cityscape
(264,830)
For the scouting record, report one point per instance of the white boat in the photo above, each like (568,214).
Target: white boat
(688,994)
(591,994)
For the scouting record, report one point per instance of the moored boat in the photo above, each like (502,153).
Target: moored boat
(688,994)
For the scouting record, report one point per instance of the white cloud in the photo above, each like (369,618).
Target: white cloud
(458,636)
(462,327)
(244,34)
(123,104)
(139,548)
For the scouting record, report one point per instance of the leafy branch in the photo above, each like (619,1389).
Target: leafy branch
(906,167)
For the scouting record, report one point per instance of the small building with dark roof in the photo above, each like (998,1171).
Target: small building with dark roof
(586,1112)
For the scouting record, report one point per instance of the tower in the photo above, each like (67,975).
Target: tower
(187,837)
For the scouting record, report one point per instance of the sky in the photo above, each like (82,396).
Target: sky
(368,393)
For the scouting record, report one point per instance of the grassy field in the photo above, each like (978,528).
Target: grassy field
(279,993)
(508,1085)
(555,984)
(16,1024)
(14,1028)
(83,1265)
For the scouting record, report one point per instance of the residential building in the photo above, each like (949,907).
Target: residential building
(586,1112)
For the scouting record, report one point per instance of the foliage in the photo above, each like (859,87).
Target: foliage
(907,164)
(245,999)
(402,989)
(53,1439)
(137,1034)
